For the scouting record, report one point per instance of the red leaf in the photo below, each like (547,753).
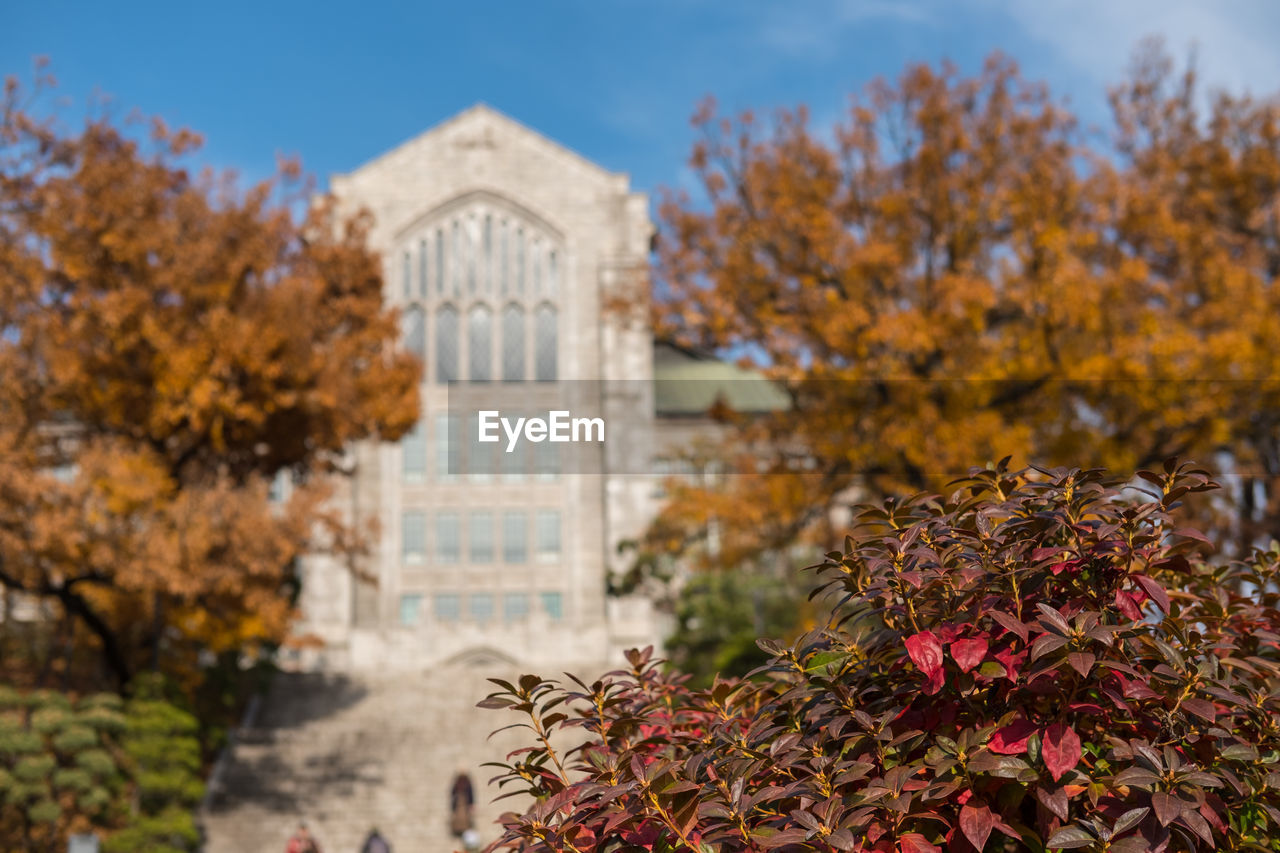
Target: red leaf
(969,653)
(1061,749)
(926,654)
(914,842)
(1155,590)
(1011,624)
(1012,739)
(976,822)
(1127,603)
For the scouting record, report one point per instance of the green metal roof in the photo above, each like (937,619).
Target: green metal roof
(686,383)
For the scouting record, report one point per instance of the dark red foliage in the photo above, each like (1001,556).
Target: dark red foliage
(1037,662)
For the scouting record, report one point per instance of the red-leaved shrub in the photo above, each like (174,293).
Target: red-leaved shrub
(1037,662)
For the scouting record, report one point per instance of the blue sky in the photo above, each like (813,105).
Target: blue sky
(613,79)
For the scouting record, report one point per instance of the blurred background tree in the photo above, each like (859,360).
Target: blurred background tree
(170,347)
(959,272)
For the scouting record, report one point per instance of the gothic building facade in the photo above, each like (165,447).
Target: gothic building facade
(505,253)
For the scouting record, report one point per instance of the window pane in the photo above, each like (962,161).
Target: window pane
(470,239)
(447,344)
(480,344)
(440,260)
(413,454)
(480,537)
(513,344)
(413,323)
(422,268)
(514,464)
(544,344)
(406,268)
(502,257)
(448,449)
(546,460)
(481,455)
(486,273)
(535,265)
(481,607)
(447,607)
(548,536)
(413,536)
(448,548)
(553,605)
(514,537)
(515,606)
(519,260)
(456,259)
(410,610)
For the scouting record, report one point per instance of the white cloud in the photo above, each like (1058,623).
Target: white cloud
(1234,40)
(819,27)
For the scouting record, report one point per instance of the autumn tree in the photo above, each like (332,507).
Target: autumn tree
(960,272)
(169,345)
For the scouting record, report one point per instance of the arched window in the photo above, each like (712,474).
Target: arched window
(553,273)
(422,268)
(544,344)
(470,241)
(440,260)
(486,274)
(535,265)
(480,344)
(456,260)
(446,344)
(415,331)
(513,344)
(502,257)
(519,260)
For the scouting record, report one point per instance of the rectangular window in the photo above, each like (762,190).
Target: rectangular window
(480,537)
(514,536)
(413,454)
(546,460)
(553,605)
(448,450)
(413,537)
(481,455)
(516,463)
(448,546)
(481,604)
(548,536)
(448,607)
(515,607)
(410,610)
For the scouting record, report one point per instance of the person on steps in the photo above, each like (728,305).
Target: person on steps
(302,841)
(375,843)
(462,800)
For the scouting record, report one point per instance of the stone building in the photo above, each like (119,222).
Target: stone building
(506,254)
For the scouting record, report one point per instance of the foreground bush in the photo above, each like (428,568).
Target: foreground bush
(1026,665)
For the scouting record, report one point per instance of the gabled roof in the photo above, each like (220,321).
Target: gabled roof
(477,115)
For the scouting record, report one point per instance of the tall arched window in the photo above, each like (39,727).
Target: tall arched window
(513,344)
(440,261)
(553,272)
(480,344)
(544,344)
(535,265)
(446,344)
(470,241)
(502,257)
(486,274)
(422,268)
(456,259)
(519,260)
(415,331)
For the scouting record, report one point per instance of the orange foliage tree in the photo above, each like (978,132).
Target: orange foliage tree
(169,345)
(960,272)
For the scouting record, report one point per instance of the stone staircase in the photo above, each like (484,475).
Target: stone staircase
(348,753)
